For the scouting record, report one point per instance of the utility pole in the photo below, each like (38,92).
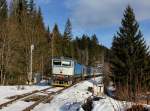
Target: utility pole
(30,74)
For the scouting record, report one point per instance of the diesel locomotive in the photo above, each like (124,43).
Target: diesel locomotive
(66,71)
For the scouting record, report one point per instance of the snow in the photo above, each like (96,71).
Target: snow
(18,106)
(109,104)
(7,91)
(70,99)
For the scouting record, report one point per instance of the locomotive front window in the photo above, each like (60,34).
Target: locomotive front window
(66,63)
(57,63)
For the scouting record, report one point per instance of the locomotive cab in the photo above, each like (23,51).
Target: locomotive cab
(62,71)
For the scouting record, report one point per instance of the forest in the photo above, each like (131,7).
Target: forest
(127,62)
(21,25)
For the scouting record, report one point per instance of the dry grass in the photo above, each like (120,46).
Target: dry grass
(137,108)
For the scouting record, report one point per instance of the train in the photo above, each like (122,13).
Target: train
(66,71)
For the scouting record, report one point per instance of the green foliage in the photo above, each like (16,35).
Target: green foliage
(56,42)
(88,51)
(129,61)
(24,26)
(67,37)
(68,31)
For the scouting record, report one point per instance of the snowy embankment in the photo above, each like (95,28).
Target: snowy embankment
(109,104)
(70,99)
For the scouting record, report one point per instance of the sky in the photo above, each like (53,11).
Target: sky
(100,17)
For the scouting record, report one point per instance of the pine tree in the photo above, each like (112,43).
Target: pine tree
(48,34)
(76,48)
(56,45)
(84,43)
(29,29)
(19,20)
(68,31)
(67,37)
(19,9)
(94,50)
(130,51)
(88,51)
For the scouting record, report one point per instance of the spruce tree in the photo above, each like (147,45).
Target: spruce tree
(84,43)
(39,39)
(19,30)
(67,37)
(28,29)
(68,30)
(129,52)
(48,34)
(94,50)
(56,42)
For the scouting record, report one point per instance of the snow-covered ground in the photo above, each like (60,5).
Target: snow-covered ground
(18,106)
(7,91)
(70,99)
(109,104)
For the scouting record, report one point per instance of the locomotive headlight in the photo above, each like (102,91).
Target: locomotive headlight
(61,71)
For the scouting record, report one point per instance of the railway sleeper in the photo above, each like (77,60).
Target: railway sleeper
(17,97)
(34,98)
(21,96)
(46,99)
(35,104)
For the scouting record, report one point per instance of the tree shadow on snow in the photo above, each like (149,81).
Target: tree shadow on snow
(71,106)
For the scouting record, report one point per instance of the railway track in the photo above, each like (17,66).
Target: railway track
(45,99)
(18,97)
(42,100)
